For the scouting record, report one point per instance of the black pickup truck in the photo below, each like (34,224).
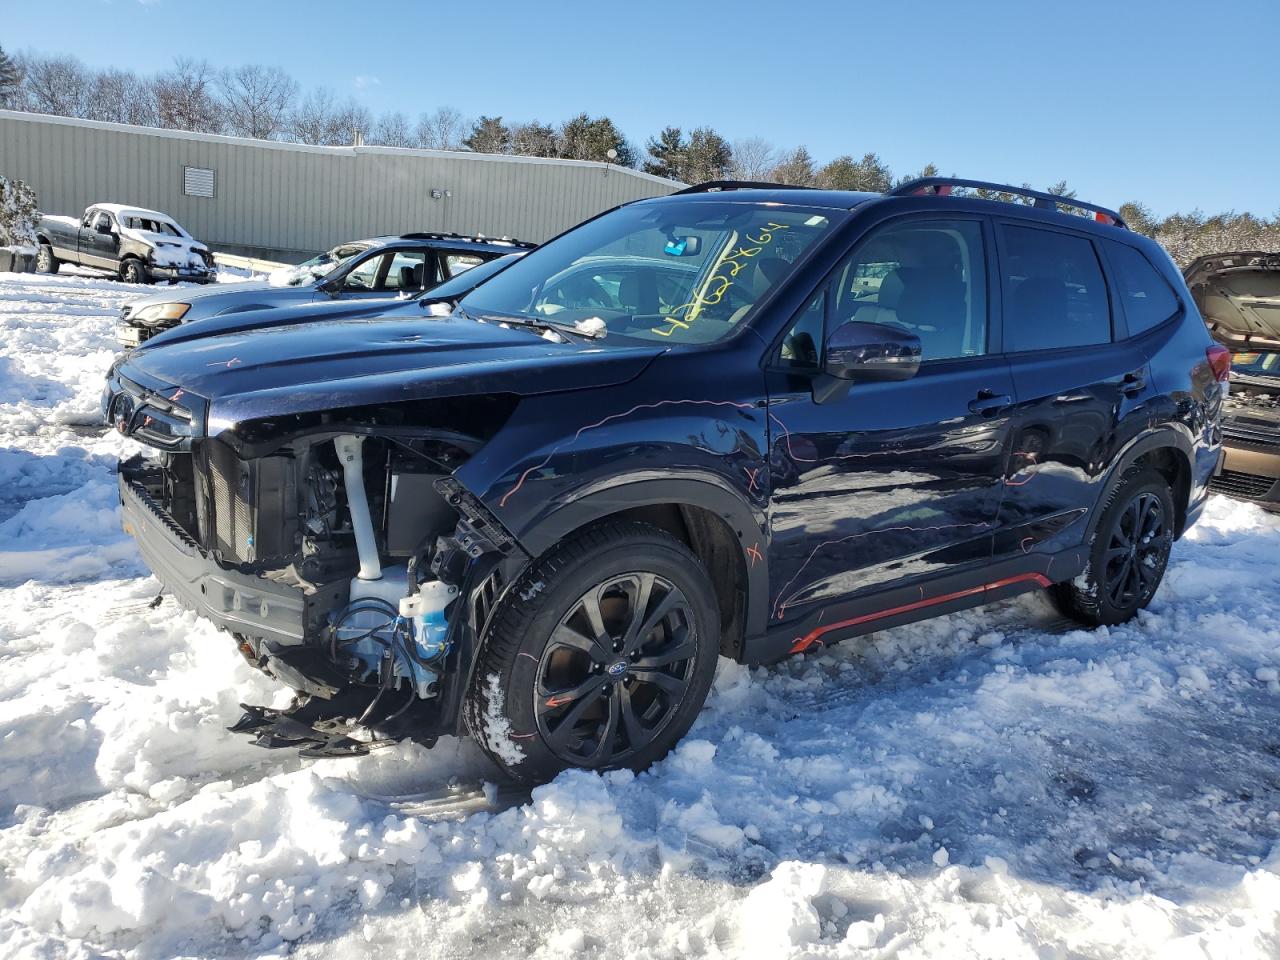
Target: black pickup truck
(139,246)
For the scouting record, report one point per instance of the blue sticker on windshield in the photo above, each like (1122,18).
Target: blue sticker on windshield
(675,248)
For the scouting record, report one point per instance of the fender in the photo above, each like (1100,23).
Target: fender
(710,493)
(748,524)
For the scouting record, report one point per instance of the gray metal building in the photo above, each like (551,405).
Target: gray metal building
(286,201)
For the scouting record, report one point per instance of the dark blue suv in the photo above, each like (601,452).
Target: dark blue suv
(742,420)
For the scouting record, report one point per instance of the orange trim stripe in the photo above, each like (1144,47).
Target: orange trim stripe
(814,636)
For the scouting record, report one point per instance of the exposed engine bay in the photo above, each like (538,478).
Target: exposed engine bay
(368,537)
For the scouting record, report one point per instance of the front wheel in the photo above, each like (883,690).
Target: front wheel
(46,262)
(132,271)
(601,656)
(1128,556)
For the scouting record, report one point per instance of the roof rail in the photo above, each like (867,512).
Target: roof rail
(506,241)
(716,186)
(942,186)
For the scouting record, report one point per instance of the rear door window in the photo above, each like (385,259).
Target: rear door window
(1147,297)
(1054,292)
(408,271)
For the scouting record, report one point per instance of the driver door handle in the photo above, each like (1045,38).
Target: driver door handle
(988,403)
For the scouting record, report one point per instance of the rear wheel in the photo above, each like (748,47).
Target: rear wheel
(132,271)
(46,262)
(608,666)
(1128,556)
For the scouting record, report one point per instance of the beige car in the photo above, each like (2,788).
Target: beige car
(1239,297)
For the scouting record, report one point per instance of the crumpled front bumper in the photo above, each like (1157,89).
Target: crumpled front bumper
(241,603)
(185,274)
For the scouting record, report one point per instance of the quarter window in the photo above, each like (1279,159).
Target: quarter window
(1147,297)
(456,263)
(1054,294)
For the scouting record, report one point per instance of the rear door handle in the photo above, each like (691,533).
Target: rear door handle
(988,404)
(1134,383)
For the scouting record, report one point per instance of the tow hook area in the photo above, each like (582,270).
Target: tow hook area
(315,727)
(276,729)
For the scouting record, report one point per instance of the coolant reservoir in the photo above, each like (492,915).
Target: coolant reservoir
(426,609)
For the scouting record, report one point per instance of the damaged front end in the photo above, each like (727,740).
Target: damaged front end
(337,550)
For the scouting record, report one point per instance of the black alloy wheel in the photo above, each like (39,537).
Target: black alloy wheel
(1128,553)
(599,655)
(615,670)
(1137,552)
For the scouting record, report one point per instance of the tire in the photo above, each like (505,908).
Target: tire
(133,271)
(1124,571)
(637,696)
(46,262)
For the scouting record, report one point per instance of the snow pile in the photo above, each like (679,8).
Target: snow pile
(18,216)
(990,784)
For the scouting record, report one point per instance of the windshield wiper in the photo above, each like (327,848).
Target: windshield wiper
(530,323)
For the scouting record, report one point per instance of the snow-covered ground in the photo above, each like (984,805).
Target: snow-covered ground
(990,784)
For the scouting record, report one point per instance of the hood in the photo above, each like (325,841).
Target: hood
(192,293)
(323,366)
(1238,294)
(245,320)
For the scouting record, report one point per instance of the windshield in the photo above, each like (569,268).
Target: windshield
(1256,363)
(311,270)
(667,273)
(153,226)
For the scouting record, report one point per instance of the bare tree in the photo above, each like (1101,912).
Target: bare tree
(185,97)
(120,97)
(442,130)
(57,85)
(392,130)
(257,101)
(354,122)
(754,158)
(316,120)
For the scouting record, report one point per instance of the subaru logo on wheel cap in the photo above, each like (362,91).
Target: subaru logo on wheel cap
(617,669)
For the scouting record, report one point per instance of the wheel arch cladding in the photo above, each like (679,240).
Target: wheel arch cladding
(720,530)
(1168,452)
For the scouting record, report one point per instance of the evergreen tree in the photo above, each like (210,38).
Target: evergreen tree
(10,80)
(708,157)
(1138,217)
(584,138)
(489,135)
(534,139)
(845,173)
(667,154)
(796,169)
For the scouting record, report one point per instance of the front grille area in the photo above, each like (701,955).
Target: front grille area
(1258,436)
(250,507)
(228,489)
(1247,486)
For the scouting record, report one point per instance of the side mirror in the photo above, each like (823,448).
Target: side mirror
(865,353)
(872,353)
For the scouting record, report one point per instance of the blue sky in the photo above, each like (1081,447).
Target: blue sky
(1163,102)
